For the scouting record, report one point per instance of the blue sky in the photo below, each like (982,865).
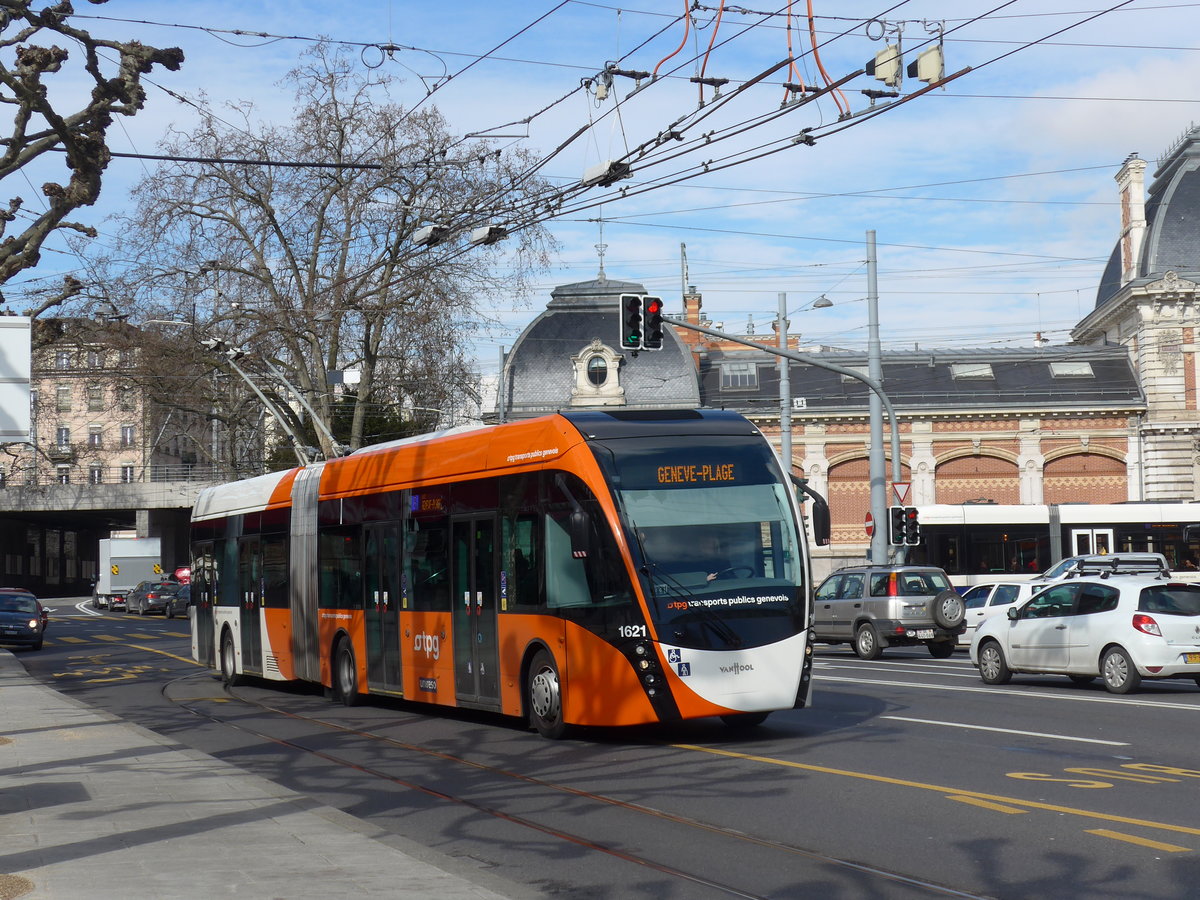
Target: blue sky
(992,199)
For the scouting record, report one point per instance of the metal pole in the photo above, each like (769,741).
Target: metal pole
(877,464)
(785,391)
(500,416)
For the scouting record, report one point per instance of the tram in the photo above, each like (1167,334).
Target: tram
(976,541)
(582,568)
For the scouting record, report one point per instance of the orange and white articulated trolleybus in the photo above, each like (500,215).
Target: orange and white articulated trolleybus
(584,568)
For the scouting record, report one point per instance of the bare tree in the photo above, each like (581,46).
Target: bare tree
(309,262)
(38,127)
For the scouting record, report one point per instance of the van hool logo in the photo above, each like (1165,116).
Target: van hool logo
(737,669)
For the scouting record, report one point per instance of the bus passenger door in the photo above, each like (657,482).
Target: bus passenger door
(476,653)
(251,597)
(381,550)
(204,588)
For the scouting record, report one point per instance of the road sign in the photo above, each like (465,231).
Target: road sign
(869,524)
(900,489)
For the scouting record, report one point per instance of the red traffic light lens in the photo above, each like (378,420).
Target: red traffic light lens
(653,307)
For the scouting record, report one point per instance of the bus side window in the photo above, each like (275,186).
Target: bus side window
(429,568)
(340,564)
(227,562)
(275,572)
(566,577)
(583,566)
(523,561)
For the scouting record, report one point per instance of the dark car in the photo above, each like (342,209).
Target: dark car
(28,593)
(150,596)
(179,602)
(22,619)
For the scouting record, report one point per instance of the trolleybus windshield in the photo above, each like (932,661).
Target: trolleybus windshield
(719,549)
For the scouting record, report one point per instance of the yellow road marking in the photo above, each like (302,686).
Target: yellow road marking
(1141,842)
(143,637)
(165,653)
(942,789)
(69,640)
(986,804)
(107,637)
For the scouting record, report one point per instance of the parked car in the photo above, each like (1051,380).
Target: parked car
(150,596)
(889,606)
(23,619)
(983,601)
(1122,628)
(179,602)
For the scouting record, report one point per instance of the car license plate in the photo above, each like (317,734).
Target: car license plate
(8,631)
(924,634)
(1192,658)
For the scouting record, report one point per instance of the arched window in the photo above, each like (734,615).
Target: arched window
(597,370)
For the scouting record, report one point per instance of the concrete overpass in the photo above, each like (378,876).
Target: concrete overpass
(36,518)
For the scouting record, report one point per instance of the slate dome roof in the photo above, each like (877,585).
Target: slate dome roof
(540,374)
(1172,240)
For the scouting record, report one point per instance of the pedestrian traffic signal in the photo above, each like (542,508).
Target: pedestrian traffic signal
(653,336)
(631,321)
(912,526)
(896,525)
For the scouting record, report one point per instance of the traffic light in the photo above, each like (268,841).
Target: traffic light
(896,525)
(631,321)
(653,308)
(912,527)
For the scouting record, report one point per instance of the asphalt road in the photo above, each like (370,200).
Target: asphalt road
(909,777)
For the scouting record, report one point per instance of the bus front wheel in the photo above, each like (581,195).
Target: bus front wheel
(543,697)
(345,674)
(740,721)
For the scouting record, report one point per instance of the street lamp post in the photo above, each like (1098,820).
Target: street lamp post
(877,466)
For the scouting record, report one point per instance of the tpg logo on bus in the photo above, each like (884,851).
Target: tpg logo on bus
(428,644)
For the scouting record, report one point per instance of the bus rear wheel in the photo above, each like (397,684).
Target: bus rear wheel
(543,697)
(345,674)
(229,672)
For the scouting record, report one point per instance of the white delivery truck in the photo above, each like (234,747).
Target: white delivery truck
(124,563)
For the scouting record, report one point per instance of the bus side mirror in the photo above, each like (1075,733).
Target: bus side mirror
(820,511)
(578,527)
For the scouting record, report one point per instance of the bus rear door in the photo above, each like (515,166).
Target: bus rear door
(476,651)
(382,604)
(251,594)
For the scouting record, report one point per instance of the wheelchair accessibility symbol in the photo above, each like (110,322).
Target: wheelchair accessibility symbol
(674,656)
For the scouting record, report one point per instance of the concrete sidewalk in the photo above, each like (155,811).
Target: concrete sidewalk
(95,807)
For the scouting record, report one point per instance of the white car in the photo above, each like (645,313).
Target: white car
(986,600)
(1070,566)
(1122,628)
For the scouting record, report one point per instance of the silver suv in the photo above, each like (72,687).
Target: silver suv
(889,606)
